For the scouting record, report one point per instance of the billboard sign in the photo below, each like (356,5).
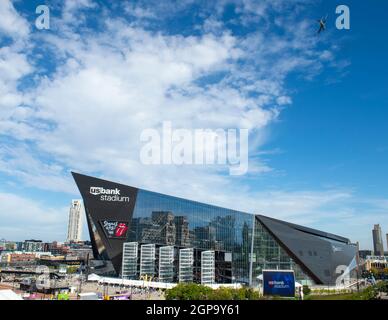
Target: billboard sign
(114,229)
(279,283)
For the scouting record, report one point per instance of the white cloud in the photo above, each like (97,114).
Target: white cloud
(283,100)
(99,109)
(13,67)
(71,11)
(23,218)
(11,23)
(20,163)
(138,11)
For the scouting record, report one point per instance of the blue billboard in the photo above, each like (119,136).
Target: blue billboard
(279,283)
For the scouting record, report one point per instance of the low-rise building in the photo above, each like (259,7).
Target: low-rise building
(7,245)
(363,254)
(57,248)
(17,258)
(60,260)
(82,254)
(20,257)
(34,246)
(378,263)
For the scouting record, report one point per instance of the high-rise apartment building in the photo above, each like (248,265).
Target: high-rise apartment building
(378,246)
(387,240)
(74,231)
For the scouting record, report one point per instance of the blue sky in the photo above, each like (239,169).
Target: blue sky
(77,96)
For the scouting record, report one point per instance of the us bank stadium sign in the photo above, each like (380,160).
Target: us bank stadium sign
(108,194)
(114,229)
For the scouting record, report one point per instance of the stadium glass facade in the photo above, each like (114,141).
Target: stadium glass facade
(173,235)
(166,220)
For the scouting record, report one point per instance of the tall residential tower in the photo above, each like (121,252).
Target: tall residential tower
(74,230)
(387,239)
(378,246)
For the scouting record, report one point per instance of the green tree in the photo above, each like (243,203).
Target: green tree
(239,294)
(192,291)
(221,294)
(188,291)
(251,294)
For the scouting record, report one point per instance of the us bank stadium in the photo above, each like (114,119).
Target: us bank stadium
(137,233)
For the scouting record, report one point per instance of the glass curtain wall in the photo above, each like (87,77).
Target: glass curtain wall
(207,267)
(170,221)
(166,220)
(186,261)
(166,264)
(129,265)
(147,260)
(268,254)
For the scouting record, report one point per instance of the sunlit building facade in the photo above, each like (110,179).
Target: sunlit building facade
(147,234)
(74,229)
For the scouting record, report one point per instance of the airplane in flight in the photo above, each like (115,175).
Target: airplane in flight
(322,24)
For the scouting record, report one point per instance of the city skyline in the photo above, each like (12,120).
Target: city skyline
(86,237)
(78,96)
